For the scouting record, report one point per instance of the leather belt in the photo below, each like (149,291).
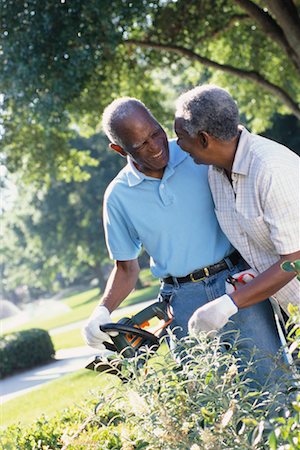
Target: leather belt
(200,274)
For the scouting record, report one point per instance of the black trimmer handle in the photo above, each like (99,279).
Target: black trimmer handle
(127,329)
(121,342)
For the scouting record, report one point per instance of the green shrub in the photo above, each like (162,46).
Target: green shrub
(204,405)
(24,349)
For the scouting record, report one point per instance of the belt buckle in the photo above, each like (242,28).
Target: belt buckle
(205,270)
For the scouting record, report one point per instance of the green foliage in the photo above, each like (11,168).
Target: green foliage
(51,399)
(24,349)
(286,430)
(55,234)
(63,63)
(286,130)
(204,404)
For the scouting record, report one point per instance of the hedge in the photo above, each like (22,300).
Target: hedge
(24,349)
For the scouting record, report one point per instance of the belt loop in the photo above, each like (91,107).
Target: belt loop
(175,282)
(228,262)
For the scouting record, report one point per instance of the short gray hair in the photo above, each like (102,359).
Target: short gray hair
(208,108)
(117,110)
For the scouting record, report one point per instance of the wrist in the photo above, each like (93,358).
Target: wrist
(233,300)
(228,305)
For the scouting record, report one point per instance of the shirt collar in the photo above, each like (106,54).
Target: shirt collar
(176,156)
(242,158)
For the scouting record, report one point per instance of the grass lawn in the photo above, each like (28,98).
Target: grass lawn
(67,391)
(74,388)
(68,339)
(52,397)
(73,338)
(82,305)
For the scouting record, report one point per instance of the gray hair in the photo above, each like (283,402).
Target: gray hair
(208,108)
(119,109)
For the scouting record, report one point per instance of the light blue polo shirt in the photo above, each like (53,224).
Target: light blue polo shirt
(173,217)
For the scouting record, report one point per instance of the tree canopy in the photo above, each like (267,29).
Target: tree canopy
(64,61)
(54,236)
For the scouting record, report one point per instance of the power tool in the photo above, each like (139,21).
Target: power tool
(133,337)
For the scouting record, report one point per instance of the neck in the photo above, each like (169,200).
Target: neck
(228,153)
(150,173)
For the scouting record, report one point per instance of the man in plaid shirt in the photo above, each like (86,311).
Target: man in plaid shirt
(255,187)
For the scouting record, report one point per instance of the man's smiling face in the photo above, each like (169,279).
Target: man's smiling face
(146,142)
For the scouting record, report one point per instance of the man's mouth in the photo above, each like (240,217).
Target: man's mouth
(158,155)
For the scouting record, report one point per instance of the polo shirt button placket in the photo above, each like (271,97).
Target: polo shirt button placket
(162,192)
(166,198)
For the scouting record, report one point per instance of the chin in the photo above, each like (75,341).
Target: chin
(197,161)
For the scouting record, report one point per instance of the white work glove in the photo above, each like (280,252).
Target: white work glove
(241,278)
(91,332)
(212,316)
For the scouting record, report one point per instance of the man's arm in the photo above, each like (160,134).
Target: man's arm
(215,314)
(120,283)
(265,284)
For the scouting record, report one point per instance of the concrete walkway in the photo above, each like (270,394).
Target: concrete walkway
(66,361)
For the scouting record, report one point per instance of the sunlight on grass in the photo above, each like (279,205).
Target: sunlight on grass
(82,305)
(73,338)
(68,339)
(56,395)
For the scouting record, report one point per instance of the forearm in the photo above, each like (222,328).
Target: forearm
(265,284)
(121,282)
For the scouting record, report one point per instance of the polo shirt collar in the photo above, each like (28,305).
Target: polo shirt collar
(135,177)
(242,159)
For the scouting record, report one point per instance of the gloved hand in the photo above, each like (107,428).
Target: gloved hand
(91,332)
(238,280)
(212,316)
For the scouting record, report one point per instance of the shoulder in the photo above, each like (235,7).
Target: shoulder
(176,154)
(117,185)
(271,155)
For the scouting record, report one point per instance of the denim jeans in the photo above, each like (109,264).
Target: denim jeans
(255,325)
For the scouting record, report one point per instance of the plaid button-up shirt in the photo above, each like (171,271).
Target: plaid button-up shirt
(259,212)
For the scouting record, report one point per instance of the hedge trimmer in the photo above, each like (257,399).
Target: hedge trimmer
(134,338)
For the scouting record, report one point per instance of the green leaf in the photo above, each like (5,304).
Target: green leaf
(272,441)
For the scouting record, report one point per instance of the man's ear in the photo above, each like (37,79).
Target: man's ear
(203,138)
(118,149)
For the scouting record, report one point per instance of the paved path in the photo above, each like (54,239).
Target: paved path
(66,361)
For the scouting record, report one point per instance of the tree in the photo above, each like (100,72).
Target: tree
(63,62)
(54,236)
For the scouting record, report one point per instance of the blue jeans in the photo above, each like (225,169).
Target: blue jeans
(255,325)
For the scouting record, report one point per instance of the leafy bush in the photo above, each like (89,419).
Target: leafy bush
(24,349)
(287,429)
(205,404)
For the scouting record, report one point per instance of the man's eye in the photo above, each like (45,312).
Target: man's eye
(140,147)
(156,133)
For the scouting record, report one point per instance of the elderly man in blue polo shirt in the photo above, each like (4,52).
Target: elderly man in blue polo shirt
(161,200)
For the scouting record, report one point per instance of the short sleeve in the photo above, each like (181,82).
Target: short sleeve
(121,241)
(281,208)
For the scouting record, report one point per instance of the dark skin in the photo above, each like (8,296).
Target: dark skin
(206,149)
(145,142)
